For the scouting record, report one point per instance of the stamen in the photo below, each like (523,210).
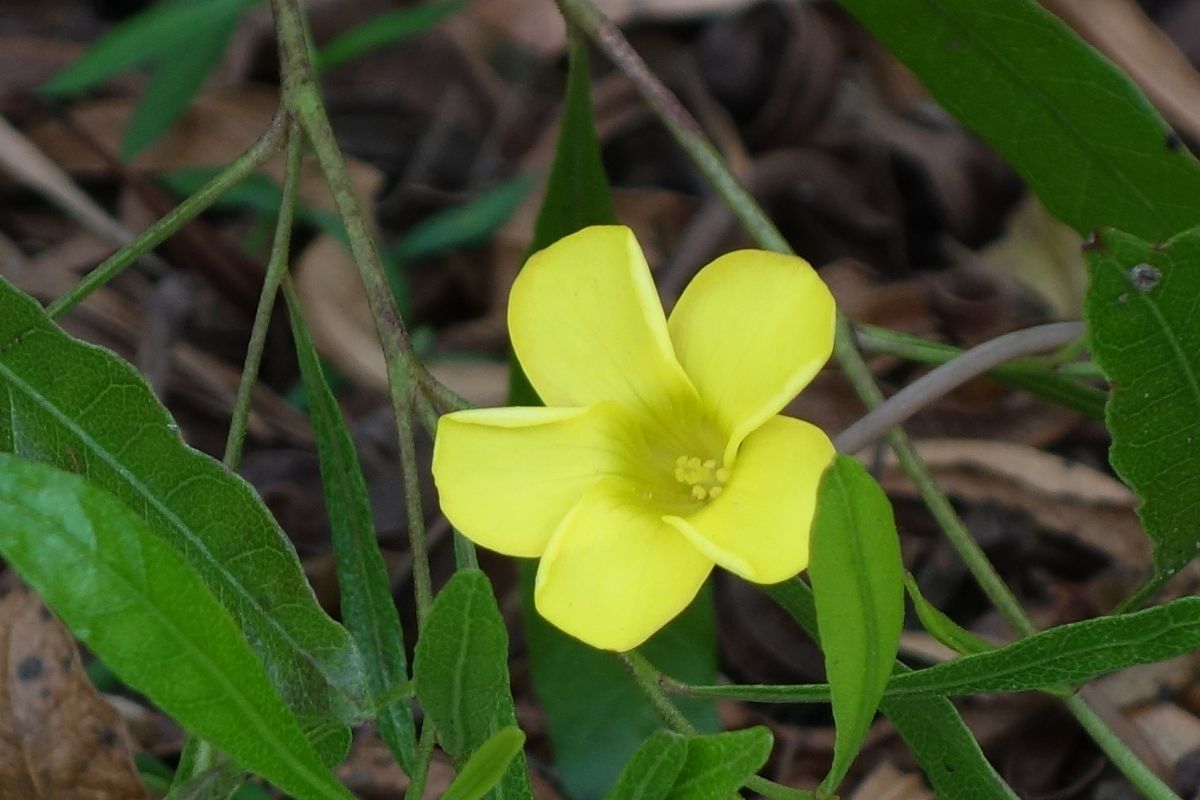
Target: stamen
(703,477)
(723,474)
(699,492)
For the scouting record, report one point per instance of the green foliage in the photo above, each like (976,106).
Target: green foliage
(141,608)
(717,765)
(1071,123)
(941,627)
(653,768)
(366,595)
(82,409)
(1140,308)
(487,765)
(943,744)
(463,225)
(857,579)
(184,40)
(382,30)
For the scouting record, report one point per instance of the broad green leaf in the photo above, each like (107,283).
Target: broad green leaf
(162,29)
(1140,309)
(716,766)
(597,716)
(463,225)
(367,607)
(653,768)
(140,607)
(487,765)
(461,662)
(1071,123)
(941,627)
(82,409)
(858,581)
(1068,654)
(177,77)
(382,30)
(946,749)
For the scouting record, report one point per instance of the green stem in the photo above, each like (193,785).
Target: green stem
(692,140)
(276,267)
(1132,767)
(416,785)
(1140,595)
(261,152)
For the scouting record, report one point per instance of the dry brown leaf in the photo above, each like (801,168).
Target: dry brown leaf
(1071,498)
(1123,32)
(218,127)
(59,739)
(1173,732)
(888,783)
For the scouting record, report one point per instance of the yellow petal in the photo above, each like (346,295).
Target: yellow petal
(587,326)
(506,477)
(759,526)
(751,330)
(614,573)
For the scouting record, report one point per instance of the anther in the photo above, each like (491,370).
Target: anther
(715,492)
(699,492)
(723,474)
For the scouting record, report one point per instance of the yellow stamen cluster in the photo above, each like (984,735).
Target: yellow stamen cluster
(705,477)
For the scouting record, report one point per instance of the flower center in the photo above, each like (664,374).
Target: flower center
(705,478)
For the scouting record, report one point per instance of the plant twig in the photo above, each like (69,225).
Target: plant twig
(416,782)
(276,267)
(943,380)
(260,153)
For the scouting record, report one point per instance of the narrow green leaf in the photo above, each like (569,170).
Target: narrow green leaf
(653,768)
(597,716)
(382,30)
(461,663)
(1071,123)
(367,606)
(857,579)
(1140,308)
(716,766)
(164,29)
(1068,654)
(177,78)
(487,765)
(463,225)
(941,627)
(142,609)
(82,409)
(943,744)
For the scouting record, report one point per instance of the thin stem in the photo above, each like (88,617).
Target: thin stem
(417,539)
(1140,595)
(261,152)
(689,136)
(757,783)
(276,267)
(1132,767)
(416,781)
(949,376)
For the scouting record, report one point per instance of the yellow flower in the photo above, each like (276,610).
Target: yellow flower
(660,451)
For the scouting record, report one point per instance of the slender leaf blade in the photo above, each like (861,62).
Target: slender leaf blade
(487,765)
(1070,122)
(367,607)
(82,409)
(141,608)
(652,769)
(940,626)
(464,225)
(1141,312)
(858,582)
(384,29)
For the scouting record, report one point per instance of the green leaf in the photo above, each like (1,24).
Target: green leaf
(716,766)
(1140,310)
(1068,654)
(597,716)
(1070,122)
(367,607)
(653,768)
(82,409)
(487,765)
(461,663)
(141,608)
(165,29)
(946,749)
(177,78)
(464,225)
(941,627)
(857,579)
(382,30)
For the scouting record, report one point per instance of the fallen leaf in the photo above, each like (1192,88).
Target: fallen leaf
(885,782)
(59,739)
